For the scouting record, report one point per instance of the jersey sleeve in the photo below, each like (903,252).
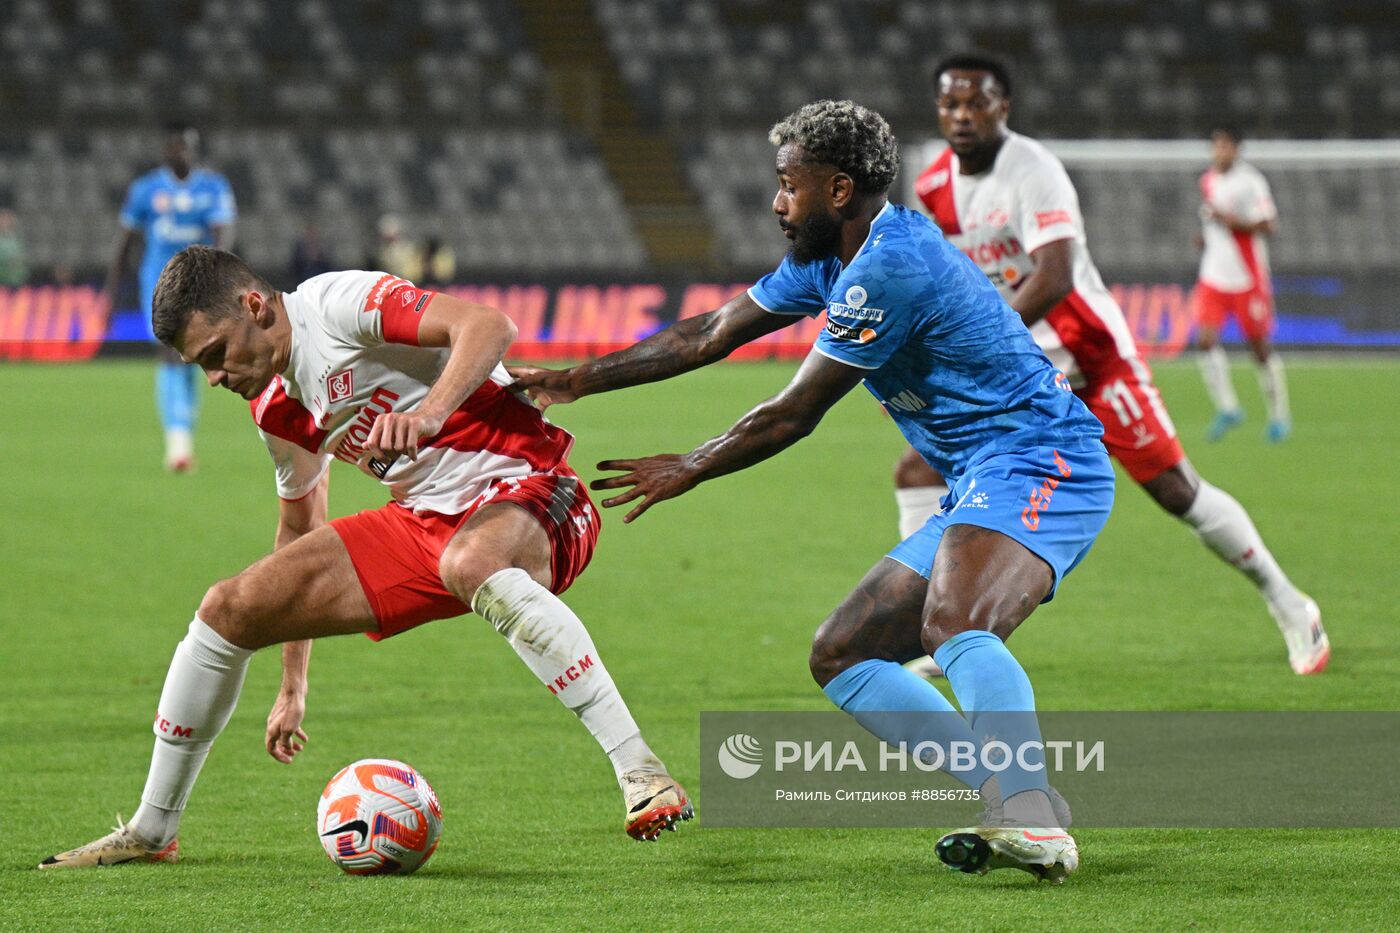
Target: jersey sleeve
(368,308)
(1260,205)
(876,315)
(789,289)
(134,209)
(1047,208)
(225,208)
(298,470)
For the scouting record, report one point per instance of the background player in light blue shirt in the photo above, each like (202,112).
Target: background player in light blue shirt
(168,208)
(918,323)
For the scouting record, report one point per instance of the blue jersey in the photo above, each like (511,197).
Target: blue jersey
(950,361)
(172,214)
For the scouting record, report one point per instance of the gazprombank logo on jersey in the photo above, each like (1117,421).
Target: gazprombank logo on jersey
(854,308)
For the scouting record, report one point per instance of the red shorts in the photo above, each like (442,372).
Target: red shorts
(1253,309)
(1136,427)
(396,552)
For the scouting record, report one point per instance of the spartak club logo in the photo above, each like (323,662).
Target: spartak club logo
(341,386)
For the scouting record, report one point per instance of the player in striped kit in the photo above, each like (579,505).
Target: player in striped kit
(1007,202)
(486,515)
(1237,218)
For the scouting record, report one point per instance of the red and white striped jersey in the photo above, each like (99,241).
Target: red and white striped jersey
(1001,216)
(1234,261)
(355,356)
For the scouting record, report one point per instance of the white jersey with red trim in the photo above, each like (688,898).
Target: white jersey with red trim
(1235,261)
(1001,216)
(355,357)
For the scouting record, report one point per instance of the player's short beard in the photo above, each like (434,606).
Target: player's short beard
(817,237)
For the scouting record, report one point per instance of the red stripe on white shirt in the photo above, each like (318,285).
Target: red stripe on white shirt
(282,416)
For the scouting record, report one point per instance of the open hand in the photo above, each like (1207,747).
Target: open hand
(284,727)
(544,387)
(652,479)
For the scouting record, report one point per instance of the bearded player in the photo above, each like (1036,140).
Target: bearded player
(910,318)
(486,516)
(1006,202)
(1237,218)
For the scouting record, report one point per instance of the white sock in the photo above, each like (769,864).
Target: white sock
(1225,527)
(179,442)
(553,643)
(1275,388)
(1215,370)
(917,504)
(200,693)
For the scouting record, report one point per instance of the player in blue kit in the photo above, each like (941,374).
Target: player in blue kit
(168,208)
(1031,484)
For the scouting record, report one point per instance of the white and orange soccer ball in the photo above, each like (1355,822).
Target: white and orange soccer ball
(378,816)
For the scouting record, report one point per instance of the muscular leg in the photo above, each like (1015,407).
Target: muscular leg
(918,489)
(856,659)
(305,590)
(499,564)
(982,587)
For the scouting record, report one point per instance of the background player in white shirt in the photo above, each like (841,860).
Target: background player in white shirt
(1009,205)
(1237,218)
(486,516)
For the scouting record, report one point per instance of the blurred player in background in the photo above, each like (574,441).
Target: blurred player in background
(167,209)
(486,515)
(1007,202)
(1238,217)
(919,326)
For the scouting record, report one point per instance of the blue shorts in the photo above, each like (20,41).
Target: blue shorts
(1054,502)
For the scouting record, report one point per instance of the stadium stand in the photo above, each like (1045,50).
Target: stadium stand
(434,111)
(531,150)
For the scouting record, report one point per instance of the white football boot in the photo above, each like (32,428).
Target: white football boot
(654,801)
(119,846)
(1049,854)
(1301,625)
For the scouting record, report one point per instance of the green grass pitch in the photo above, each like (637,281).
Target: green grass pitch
(708,602)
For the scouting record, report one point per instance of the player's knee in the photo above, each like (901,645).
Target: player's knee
(229,609)
(464,569)
(831,653)
(948,619)
(911,471)
(1174,489)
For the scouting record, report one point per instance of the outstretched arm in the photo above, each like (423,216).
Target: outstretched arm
(296,517)
(776,424)
(685,345)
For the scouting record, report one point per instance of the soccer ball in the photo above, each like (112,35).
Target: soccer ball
(378,816)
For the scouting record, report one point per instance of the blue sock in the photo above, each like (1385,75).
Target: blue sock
(176,396)
(996,696)
(881,695)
